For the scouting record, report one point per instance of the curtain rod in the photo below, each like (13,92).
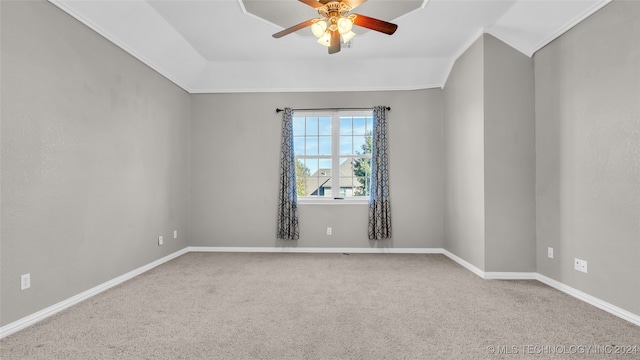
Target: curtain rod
(335,109)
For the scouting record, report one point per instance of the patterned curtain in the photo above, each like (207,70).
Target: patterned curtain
(288,196)
(379,208)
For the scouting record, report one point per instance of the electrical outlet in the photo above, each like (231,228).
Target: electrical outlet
(25,281)
(175,234)
(550,252)
(160,240)
(329,231)
(580,265)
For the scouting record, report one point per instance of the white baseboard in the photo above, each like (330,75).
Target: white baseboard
(592,300)
(290,249)
(601,304)
(42,314)
(490,275)
(463,263)
(56,308)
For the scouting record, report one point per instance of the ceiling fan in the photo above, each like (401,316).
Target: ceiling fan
(335,21)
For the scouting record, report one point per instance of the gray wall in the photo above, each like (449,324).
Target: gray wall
(509,168)
(488,121)
(94,159)
(588,155)
(235,146)
(463,124)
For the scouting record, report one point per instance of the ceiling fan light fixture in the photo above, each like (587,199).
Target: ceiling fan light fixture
(345,25)
(335,22)
(348,36)
(319,28)
(325,39)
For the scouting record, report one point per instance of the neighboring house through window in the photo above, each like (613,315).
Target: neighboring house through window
(333,154)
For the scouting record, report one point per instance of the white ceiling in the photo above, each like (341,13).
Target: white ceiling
(218,46)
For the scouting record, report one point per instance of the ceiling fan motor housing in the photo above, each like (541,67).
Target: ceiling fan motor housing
(332,11)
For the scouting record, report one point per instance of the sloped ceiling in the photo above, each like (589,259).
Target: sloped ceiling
(215,46)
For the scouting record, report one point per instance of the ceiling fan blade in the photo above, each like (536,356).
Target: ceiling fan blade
(354,3)
(294,28)
(375,24)
(335,42)
(312,3)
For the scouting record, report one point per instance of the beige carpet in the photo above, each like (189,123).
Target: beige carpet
(323,306)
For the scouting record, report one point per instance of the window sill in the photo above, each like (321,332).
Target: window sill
(332,201)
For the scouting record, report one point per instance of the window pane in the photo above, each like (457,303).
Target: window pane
(323,187)
(346,167)
(325,165)
(303,188)
(345,126)
(325,145)
(316,159)
(312,146)
(298,126)
(346,145)
(361,187)
(318,183)
(312,165)
(312,126)
(362,167)
(359,145)
(311,186)
(302,175)
(301,168)
(298,146)
(346,186)
(325,125)
(359,126)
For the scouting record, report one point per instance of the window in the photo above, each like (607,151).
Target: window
(333,154)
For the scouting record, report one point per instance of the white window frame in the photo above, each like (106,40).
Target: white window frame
(335,158)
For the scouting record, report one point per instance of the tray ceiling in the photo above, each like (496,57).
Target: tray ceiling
(283,14)
(226,45)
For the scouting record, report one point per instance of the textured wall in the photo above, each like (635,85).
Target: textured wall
(235,146)
(509,169)
(488,120)
(94,159)
(463,123)
(588,155)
